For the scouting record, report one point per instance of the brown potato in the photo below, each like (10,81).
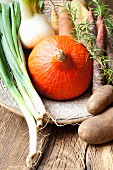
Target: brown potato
(100,99)
(97,129)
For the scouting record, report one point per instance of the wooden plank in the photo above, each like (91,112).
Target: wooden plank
(65,151)
(62,150)
(100,157)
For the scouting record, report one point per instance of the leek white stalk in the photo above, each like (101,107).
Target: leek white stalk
(8,80)
(34,25)
(23,92)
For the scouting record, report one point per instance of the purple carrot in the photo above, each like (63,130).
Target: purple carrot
(99,21)
(98,81)
(91,21)
(100,40)
(109,50)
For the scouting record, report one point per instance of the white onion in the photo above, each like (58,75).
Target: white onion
(34,26)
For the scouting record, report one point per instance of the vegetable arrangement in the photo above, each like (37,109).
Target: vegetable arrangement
(61,66)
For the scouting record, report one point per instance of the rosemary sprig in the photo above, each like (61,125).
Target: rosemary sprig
(99,8)
(84,35)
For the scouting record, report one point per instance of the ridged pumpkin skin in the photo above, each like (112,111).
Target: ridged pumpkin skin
(60,80)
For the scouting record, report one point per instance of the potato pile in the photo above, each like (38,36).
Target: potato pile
(99,128)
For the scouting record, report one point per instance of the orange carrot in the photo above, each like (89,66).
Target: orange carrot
(54,19)
(65,22)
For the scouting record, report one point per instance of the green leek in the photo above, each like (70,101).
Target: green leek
(25,95)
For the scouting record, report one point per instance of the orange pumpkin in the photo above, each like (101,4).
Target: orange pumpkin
(60,68)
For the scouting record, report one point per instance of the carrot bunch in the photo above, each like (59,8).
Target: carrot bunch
(98,29)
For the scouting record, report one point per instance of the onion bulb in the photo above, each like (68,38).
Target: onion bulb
(34,25)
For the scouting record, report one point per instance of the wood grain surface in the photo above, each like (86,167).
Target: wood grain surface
(61,147)
(72,111)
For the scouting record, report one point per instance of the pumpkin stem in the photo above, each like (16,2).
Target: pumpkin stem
(60,56)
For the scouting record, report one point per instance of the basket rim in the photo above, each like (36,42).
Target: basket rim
(48,120)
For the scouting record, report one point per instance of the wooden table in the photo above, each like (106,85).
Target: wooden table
(62,149)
